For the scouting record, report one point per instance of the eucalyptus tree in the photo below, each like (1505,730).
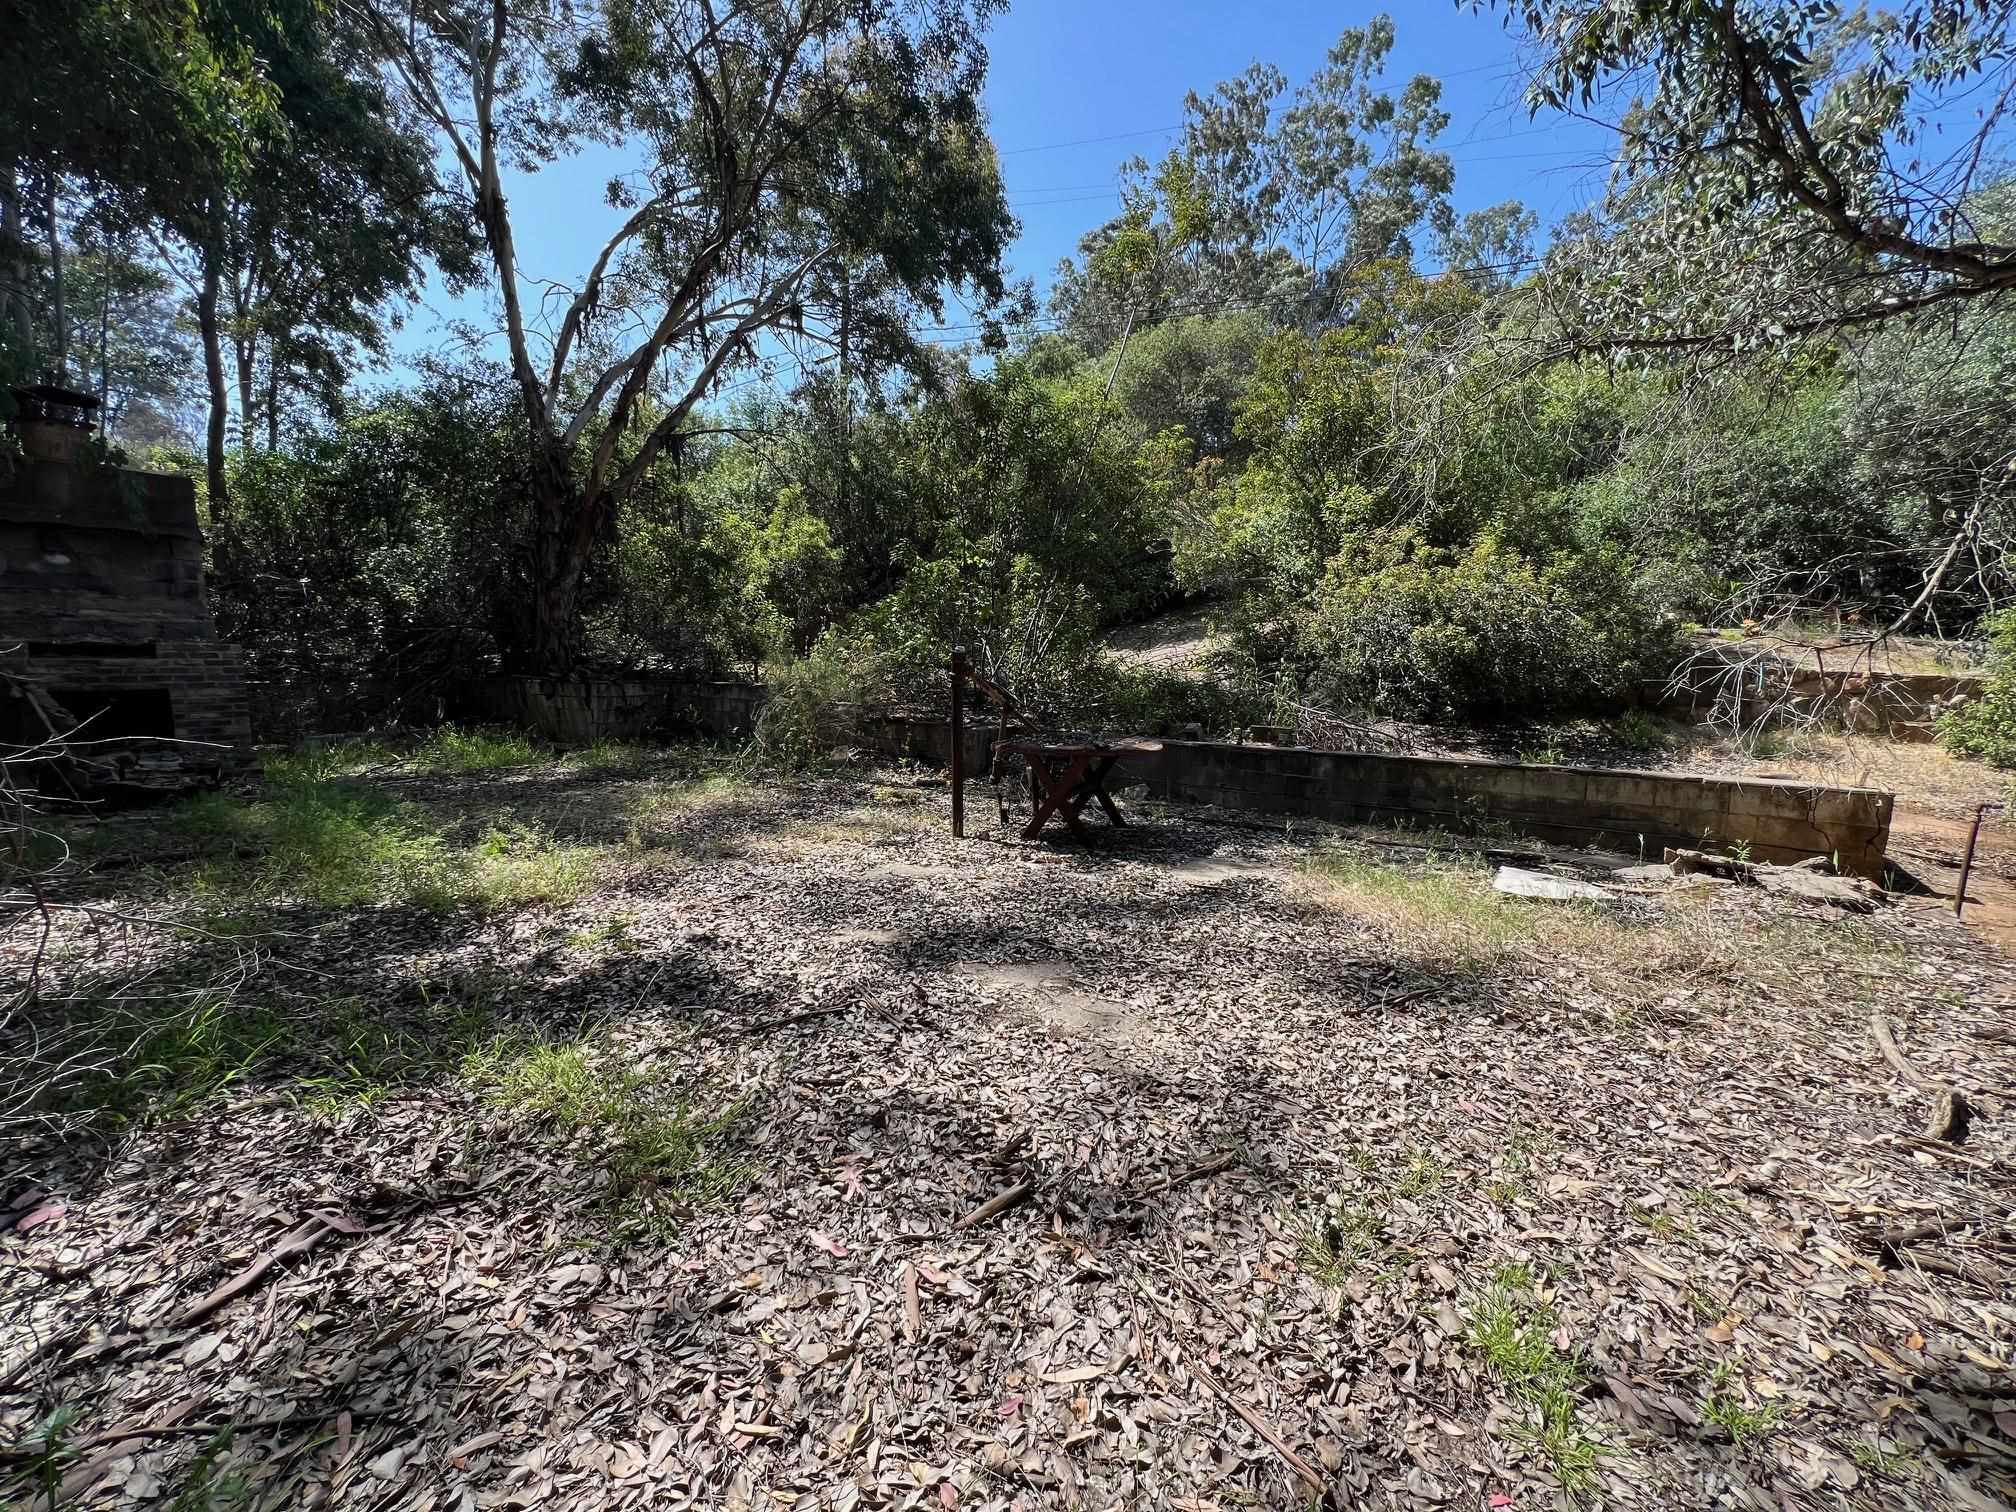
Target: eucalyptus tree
(1272,197)
(309,256)
(122,113)
(780,142)
(1783,169)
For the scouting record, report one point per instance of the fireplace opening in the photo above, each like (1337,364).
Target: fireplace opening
(118,713)
(93,648)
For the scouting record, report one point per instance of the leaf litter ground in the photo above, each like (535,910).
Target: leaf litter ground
(1330,1179)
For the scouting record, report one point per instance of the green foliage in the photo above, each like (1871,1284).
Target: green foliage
(314,837)
(370,569)
(1513,1331)
(1827,166)
(162,1065)
(1638,731)
(1326,444)
(1436,634)
(663,1155)
(1986,727)
(334,845)
(453,750)
(814,710)
(1269,194)
(1341,1236)
(1728,1410)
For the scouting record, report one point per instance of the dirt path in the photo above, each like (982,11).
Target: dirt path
(1931,847)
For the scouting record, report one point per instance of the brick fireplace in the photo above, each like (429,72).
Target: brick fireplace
(103,621)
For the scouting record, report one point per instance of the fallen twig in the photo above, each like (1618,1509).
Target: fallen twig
(996,1205)
(311,1231)
(1887,1043)
(1261,1426)
(56,1344)
(1210,1167)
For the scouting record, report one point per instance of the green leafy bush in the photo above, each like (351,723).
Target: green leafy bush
(813,711)
(1438,633)
(1986,728)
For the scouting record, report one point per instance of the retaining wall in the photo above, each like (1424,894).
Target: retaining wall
(581,711)
(1623,811)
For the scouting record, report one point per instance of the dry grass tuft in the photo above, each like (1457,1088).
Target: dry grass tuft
(864,826)
(1928,774)
(1445,913)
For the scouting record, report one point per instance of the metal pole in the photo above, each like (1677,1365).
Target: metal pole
(1967,861)
(959,670)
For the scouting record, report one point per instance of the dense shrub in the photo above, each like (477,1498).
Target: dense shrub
(369,570)
(1986,728)
(1437,633)
(814,710)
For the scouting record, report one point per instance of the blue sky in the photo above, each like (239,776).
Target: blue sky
(1076,89)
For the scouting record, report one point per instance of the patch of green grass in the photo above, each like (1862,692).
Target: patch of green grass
(209,1484)
(1637,730)
(46,1450)
(1708,1200)
(1514,1333)
(1504,1193)
(1449,908)
(1874,1459)
(1726,1408)
(367,1052)
(1660,1225)
(676,815)
(345,844)
(1705,1304)
(457,752)
(1338,1238)
(517,867)
(335,844)
(1424,1174)
(155,1063)
(1517,1167)
(327,763)
(1547,753)
(662,1153)
(606,756)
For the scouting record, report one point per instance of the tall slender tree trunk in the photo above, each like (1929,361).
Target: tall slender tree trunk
(105,340)
(213,372)
(244,354)
(19,308)
(565,527)
(59,318)
(272,402)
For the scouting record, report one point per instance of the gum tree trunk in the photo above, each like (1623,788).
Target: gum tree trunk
(220,398)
